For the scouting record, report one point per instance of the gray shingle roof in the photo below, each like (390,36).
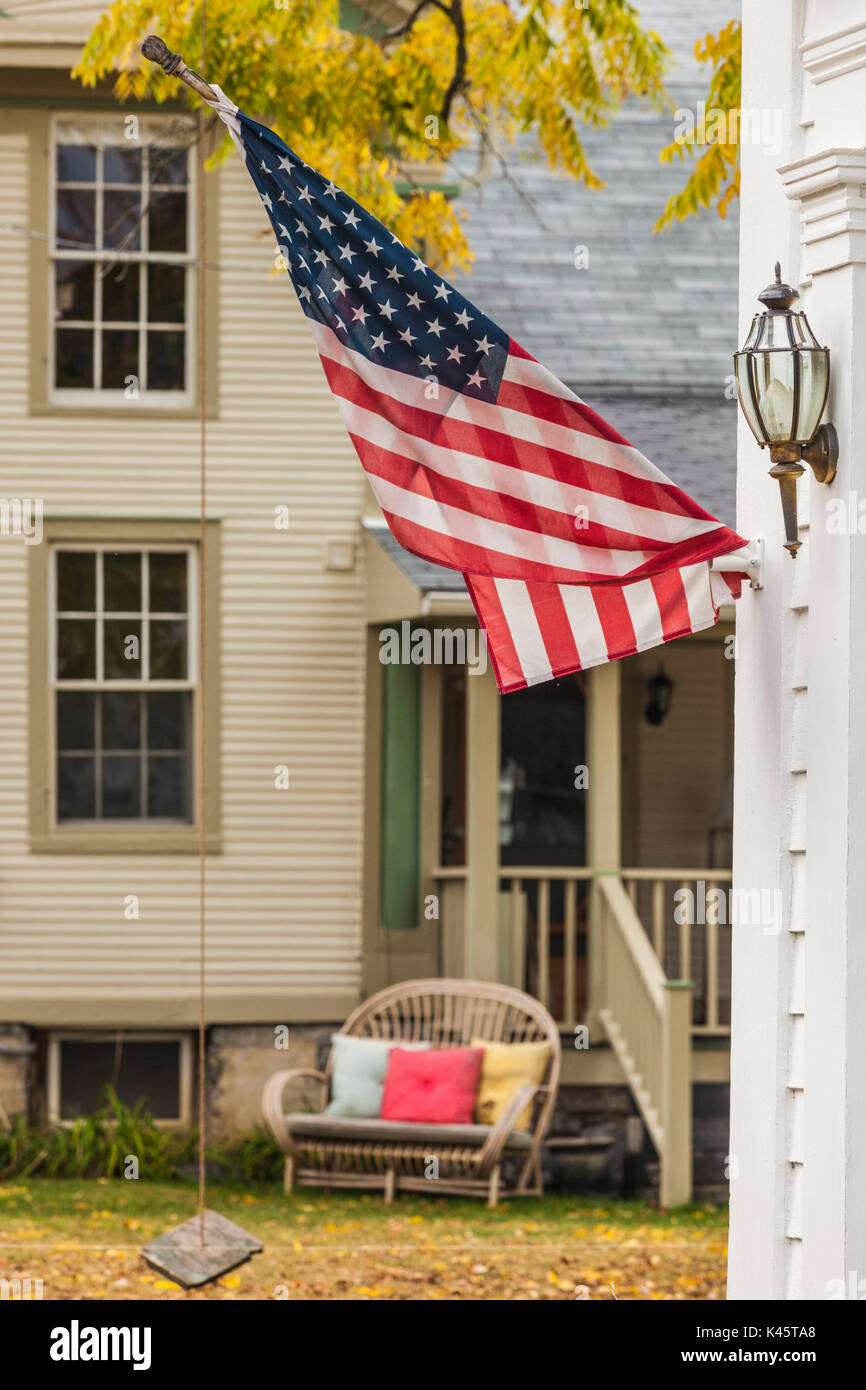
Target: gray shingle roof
(645,334)
(651,310)
(694,441)
(426,577)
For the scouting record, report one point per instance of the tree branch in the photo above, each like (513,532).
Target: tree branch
(455,14)
(404,28)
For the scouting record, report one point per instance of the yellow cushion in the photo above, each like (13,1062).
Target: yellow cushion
(504,1069)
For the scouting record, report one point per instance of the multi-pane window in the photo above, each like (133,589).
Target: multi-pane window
(121,263)
(124,681)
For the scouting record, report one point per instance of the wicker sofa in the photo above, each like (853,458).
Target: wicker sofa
(494,1160)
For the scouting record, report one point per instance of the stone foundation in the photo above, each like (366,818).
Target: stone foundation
(16,1068)
(241,1058)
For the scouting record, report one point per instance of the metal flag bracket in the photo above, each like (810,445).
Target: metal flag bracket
(749,559)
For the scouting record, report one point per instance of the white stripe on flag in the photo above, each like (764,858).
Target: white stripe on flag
(585,624)
(644,612)
(525,633)
(699,595)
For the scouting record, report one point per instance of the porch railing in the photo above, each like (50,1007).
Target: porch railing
(690,935)
(647,1020)
(545,939)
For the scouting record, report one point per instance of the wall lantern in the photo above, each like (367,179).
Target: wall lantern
(659,691)
(783,376)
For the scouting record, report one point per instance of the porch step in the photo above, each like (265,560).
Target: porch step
(578,1141)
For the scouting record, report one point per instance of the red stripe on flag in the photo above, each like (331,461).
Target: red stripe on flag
(518,351)
(502,651)
(615,620)
(671,598)
(555,628)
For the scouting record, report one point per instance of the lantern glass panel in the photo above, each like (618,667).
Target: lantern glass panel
(774,381)
(754,332)
(744,390)
(814,368)
(776,334)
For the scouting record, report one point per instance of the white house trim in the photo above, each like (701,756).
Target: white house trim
(798,1066)
(830,190)
(832,55)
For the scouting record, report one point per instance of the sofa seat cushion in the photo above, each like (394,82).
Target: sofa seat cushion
(354,1130)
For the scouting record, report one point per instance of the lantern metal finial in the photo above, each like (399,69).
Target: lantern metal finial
(783,376)
(778,296)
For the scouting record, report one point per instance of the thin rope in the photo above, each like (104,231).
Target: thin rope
(202,750)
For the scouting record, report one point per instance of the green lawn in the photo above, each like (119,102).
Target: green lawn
(82,1239)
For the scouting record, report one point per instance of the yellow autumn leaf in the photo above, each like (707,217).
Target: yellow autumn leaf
(165,1284)
(230,1281)
(403,109)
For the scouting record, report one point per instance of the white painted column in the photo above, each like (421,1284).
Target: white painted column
(482,827)
(798,1104)
(604,810)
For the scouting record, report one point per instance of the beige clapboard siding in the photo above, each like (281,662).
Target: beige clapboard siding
(284,896)
(44,19)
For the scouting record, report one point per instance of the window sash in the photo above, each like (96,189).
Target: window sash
(144,754)
(141,685)
(100,614)
(99,134)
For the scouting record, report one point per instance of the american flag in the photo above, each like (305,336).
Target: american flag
(575,549)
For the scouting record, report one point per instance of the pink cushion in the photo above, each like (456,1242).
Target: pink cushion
(436,1087)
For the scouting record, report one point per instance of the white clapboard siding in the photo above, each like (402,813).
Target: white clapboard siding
(284,896)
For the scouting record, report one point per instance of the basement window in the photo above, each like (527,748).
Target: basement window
(154,1068)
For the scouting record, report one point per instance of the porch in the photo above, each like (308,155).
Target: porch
(604,951)
(544,840)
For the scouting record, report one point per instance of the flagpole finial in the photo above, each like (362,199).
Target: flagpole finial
(157,51)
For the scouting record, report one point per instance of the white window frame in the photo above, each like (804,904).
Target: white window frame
(93,131)
(54,1080)
(141,685)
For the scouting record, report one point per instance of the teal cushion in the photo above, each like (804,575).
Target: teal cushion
(358,1067)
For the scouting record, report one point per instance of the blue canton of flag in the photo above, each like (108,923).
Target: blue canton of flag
(354,275)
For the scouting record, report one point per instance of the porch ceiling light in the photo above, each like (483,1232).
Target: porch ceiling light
(783,375)
(660,692)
